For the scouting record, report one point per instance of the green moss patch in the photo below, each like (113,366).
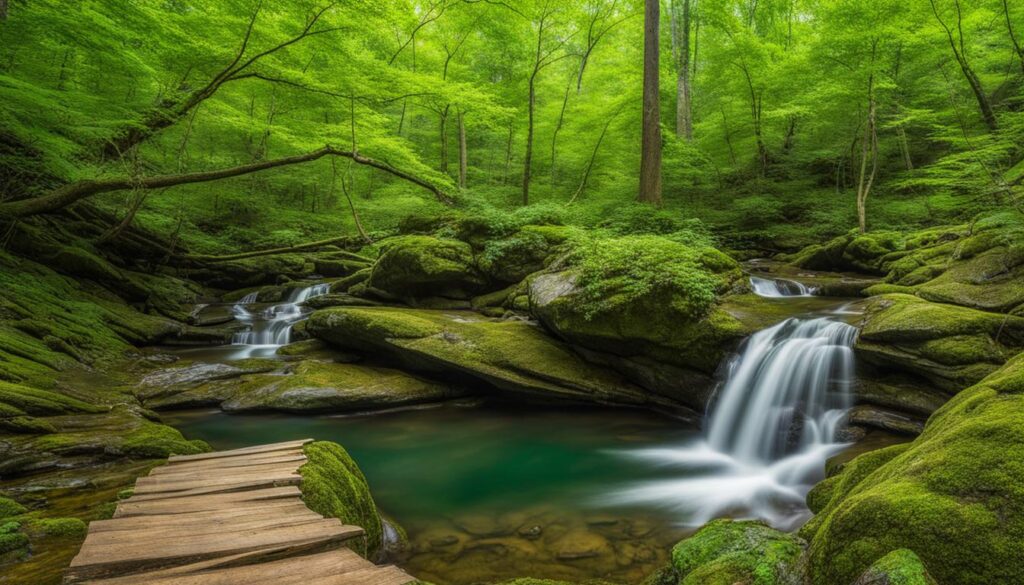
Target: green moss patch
(725,552)
(333,486)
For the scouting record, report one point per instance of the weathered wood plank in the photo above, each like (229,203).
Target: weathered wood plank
(210,476)
(157,492)
(182,505)
(281,508)
(262,459)
(287,571)
(243,451)
(123,558)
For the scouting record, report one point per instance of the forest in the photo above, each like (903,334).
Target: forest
(522,292)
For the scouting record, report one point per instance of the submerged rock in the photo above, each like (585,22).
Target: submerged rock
(953,495)
(515,357)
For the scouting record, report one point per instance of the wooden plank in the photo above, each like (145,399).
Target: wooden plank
(389,575)
(123,558)
(213,487)
(287,571)
(289,445)
(262,459)
(161,532)
(217,516)
(214,475)
(182,505)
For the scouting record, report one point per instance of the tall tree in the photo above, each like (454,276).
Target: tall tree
(956,42)
(681,23)
(650,150)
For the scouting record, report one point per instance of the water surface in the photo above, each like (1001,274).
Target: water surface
(495,491)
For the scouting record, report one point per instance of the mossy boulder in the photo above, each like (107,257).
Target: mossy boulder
(853,252)
(334,486)
(414,267)
(58,527)
(950,346)
(9,508)
(13,542)
(515,357)
(954,495)
(510,259)
(726,552)
(900,567)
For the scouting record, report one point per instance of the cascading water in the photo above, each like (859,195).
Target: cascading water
(273,326)
(772,425)
(779,287)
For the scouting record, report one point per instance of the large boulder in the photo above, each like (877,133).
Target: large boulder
(950,346)
(415,267)
(954,495)
(310,386)
(900,567)
(514,357)
(728,552)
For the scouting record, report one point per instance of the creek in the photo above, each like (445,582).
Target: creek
(491,490)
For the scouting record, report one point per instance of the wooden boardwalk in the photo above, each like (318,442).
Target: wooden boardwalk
(224,518)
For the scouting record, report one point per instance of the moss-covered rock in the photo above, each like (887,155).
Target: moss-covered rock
(954,495)
(511,259)
(413,267)
(12,540)
(9,508)
(854,252)
(334,486)
(900,567)
(726,552)
(513,356)
(950,346)
(58,527)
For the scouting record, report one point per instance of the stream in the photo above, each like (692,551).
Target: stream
(488,490)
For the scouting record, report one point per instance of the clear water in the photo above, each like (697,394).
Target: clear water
(271,327)
(772,425)
(485,477)
(779,287)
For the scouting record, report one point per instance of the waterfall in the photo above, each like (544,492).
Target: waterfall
(771,426)
(779,287)
(273,325)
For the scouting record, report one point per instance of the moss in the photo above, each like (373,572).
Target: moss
(884,289)
(123,431)
(511,259)
(725,552)
(58,527)
(42,402)
(26,425)
(9,507)
(333,486)
(11,538)
(900,567)
(411,267)
(954,496)
(343,285)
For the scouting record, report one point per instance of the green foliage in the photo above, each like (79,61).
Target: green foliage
(616,271)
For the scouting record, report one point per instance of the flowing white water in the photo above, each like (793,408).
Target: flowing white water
(272,327)
(770,429)
(779,287)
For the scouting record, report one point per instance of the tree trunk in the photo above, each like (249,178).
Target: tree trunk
(681,44)
(590,163)
(528,157)
(558,127)
(3,9)
(868,151)
(443,166)
(961,58)
(650,151)
(463,162)
(1013,36)
(508,152)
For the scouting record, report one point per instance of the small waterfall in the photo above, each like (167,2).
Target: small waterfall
(771,427)
(273,325)
(779,287)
